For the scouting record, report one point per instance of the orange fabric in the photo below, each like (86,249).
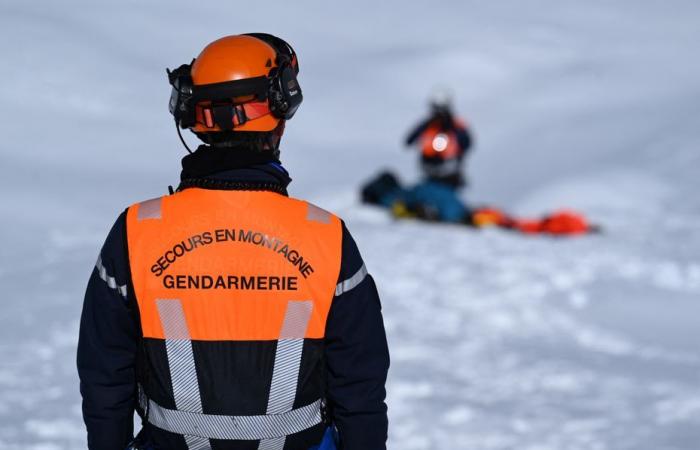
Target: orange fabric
(565,222)
(436,142)
(490,216)
(234,235)
(558,223)
(528,226)
(561,222)
(233,58)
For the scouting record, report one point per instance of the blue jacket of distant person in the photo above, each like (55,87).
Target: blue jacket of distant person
(429,200)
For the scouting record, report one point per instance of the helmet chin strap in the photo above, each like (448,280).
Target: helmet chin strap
(179,134)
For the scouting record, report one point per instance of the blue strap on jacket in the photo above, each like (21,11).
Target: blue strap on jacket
(329,440)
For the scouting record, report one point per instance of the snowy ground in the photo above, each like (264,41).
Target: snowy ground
(498,341)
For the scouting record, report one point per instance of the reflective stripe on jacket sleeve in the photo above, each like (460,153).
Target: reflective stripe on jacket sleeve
(107,348)
(357,356)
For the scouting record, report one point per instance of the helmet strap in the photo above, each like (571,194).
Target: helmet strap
(223,115)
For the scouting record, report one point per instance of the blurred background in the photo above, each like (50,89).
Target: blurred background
(498,340)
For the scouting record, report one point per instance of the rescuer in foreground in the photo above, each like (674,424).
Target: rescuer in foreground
(227,314)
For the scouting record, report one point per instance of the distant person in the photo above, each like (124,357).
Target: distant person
(227,314)
(444,141)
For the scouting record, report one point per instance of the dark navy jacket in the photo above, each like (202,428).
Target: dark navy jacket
(356,353)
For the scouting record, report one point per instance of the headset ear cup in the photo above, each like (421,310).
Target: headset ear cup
(181,95)
(285,93)
(186,108)
(291,91)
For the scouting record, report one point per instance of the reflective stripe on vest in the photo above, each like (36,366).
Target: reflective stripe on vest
(183,373)
(286,372)
(234,266)
(214,426)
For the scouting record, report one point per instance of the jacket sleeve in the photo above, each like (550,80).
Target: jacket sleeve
(107,348)
(357,356)
(417,131)
(464,137)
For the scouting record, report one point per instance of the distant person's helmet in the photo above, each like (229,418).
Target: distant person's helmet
(245,82)
(441,100)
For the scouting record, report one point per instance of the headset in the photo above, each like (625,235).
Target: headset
(278,92)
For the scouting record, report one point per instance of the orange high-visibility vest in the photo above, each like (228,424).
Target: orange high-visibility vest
(233,291)
(436,142)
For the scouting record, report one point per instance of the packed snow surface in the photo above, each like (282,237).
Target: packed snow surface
(498,341)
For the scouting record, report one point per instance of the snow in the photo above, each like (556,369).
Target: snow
(498,341)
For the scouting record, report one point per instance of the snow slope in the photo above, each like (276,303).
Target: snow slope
(498,341)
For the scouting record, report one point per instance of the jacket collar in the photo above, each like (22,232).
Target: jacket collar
(233,169)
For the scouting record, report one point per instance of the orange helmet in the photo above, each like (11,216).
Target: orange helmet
(244,82)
